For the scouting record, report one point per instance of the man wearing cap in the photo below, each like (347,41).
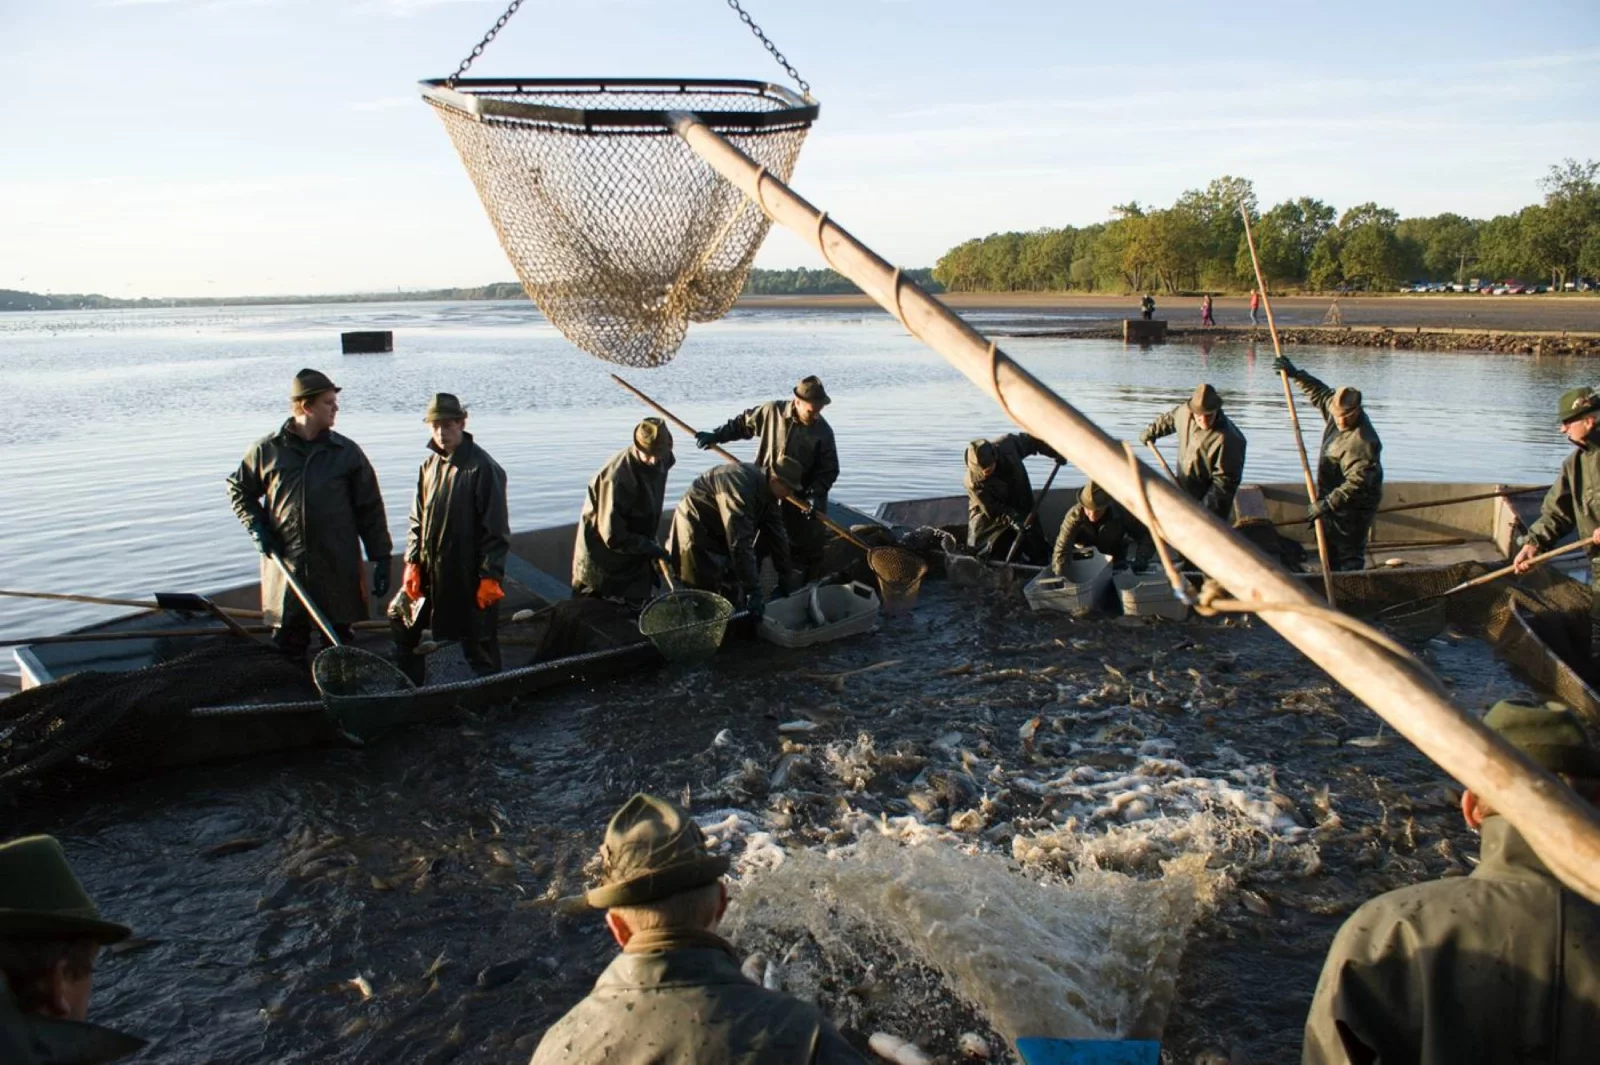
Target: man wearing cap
(456,546)
(793,428)
(1349,468)
(615,553)
(714,528)
(1499,966)
(1573,502)
(309,497)
(1000,497)
(50,934)
(675,995)
(1210,450)
(1100,522)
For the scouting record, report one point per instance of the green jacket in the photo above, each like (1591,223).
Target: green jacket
(1116,535)
(1210,461)
(1573,500)
(26,1039)
(321,498)
(1005,493)
(690,1007)
(1350,467)
(614,552)
(716,522)
(1498,967)
(459,533)
(782,434)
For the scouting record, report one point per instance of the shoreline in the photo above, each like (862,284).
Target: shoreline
(1510,342)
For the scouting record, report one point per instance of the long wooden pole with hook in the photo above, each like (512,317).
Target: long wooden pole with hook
(1294,417)
(1562,828)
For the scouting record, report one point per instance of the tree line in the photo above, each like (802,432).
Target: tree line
(1198,244)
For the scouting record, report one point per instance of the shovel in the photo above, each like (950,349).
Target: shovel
(1487,578)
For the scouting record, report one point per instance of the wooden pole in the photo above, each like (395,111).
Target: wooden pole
(238,612)
(1487,578)
(1563,829)
(1294,417)
(1016,541)
(1505,493)
(130,634)
(1163,460)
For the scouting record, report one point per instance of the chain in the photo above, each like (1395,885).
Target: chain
(744,16)
(477,49)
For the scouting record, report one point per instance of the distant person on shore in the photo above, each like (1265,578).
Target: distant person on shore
(615,554)
(456,545)
(717,522)
(1255,305)
(1497,967)
(1000,497)
(792,428)
(1210,450)
(1573,502)
(1205,310)
(308,496)
(1147,307)
(1097,521)
(50,935)
(676,995)
(1349,468)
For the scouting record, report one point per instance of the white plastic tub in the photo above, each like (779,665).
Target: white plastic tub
(1146,595)
(820,613)
(1082,588)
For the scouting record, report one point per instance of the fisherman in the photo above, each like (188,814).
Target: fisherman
(1499,966)
(1210,449)
(50,934)
(794,428)
(616,552)
(309,497)
(675,995)
(716,523)
(1147,307)
(1100,522)
(1349,468)
(1574,498)
(456,545)
(1000,497)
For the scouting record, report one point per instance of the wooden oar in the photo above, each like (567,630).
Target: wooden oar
(238,612)
(1488,578)
(1016,541)
(1397,508)
(1294,417)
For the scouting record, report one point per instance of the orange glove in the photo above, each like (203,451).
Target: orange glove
(411,581)
(489,593)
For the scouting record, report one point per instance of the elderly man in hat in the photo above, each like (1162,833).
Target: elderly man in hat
(456,547)
(1349,468)
(309,499)
(675,995)
(1097,521)
(792,428)
(1499,966)
(1000,496)
(1210,450)
(615,553)
(1573,502)
(714,528)
(50,934)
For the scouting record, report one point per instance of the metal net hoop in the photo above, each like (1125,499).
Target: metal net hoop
(618,232)
(686,624)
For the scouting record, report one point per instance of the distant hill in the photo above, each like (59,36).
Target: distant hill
(797,282)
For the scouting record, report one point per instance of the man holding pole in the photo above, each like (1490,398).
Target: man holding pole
(1210,450)
(615,553)
(1574,499)
(714,528)
(792,428)
(1000,497)
(1349,468)
(1097,521)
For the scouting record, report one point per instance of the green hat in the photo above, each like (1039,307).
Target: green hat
(41,899)
(652,850)
(1550,735)
(444,407)
(308,383)
(810,389)
(789,471)
(1094,497)
(1575,403)
(1205,400)
(652,436)
(982,454)
(1346,399)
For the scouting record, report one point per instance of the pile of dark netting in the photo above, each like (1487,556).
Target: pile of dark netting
(93,721)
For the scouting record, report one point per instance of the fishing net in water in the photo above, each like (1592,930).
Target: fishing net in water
(899,572)
(687,624)
(617,230)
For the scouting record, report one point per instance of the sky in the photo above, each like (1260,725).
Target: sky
(233,147)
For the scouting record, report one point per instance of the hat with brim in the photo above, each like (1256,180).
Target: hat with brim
(1346,400)
(1205,400)
(1093,497)
(444,407)
(40,898)
(1575,403)
(810,389)
(652,851)
(1549,734)
(789,471)
(982,454)
(652,436)
(309,382)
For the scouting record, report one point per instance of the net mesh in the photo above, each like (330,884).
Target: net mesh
(621,235)
(899,572)
(687,624)
(366,694)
